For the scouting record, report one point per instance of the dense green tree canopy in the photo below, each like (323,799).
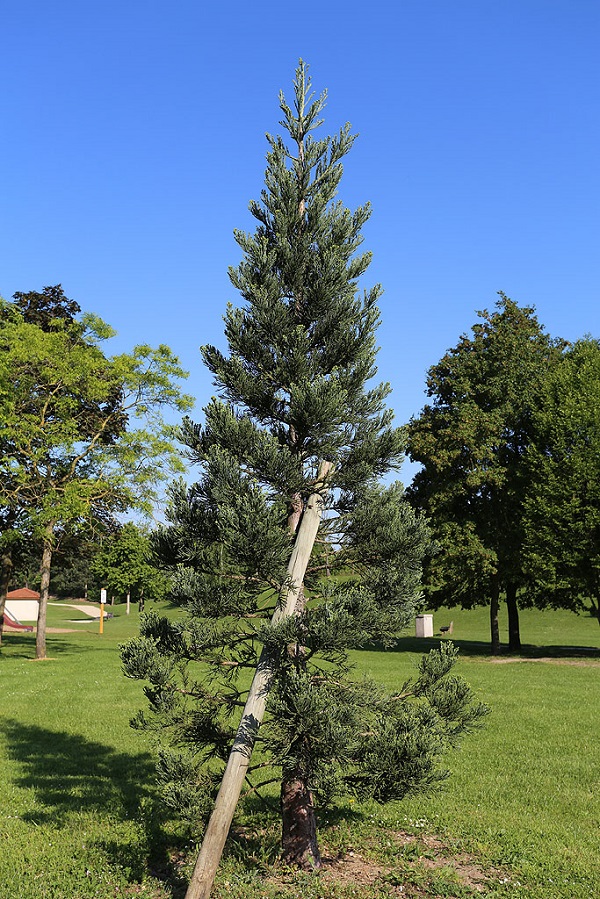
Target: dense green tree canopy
(123,565)
(81,433)
(49,309)
(472,440)
(562,509)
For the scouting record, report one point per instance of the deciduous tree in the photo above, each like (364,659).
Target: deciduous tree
(562,509)
(472,440)
(82,434)
(124,568)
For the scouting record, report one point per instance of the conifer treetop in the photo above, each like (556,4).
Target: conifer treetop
(302,345)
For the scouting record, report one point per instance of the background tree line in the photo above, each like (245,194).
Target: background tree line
(119,559)
(82,433)
(510,480)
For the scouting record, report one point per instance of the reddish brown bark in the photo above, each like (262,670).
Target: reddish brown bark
(295,512)
(299,827)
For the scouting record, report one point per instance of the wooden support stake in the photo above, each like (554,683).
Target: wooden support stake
(254,710)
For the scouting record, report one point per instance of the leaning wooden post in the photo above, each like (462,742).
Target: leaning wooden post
(254,710)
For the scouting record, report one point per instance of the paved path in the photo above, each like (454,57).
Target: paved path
(91,611)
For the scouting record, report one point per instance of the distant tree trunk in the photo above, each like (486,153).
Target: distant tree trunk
(299,827)
(514,635)
(128,602)
(6,566)
(494,607)
(40,638)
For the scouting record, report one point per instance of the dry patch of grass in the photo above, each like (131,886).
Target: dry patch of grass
(416,867)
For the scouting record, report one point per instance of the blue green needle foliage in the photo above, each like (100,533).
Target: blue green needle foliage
(295,389)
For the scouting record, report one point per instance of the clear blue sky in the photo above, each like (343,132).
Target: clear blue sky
(133,139)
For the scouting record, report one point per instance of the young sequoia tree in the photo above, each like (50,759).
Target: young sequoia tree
(290,458)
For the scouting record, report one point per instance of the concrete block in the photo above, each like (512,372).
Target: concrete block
(424,626)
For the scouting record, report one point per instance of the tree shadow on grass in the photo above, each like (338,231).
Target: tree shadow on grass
(423,645)
(17,646)
(70,774)
(22,646)
(480,648)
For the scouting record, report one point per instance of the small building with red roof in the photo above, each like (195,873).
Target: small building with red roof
(23,604)
(23,593)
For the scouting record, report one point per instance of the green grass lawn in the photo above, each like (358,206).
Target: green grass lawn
(518,817)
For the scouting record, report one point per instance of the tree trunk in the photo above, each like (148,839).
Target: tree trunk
(239,757)
(299,846)
(494,607)
(6,566)
(514,635)
(299,827)
(40,637)
(128,602)
(295,511)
